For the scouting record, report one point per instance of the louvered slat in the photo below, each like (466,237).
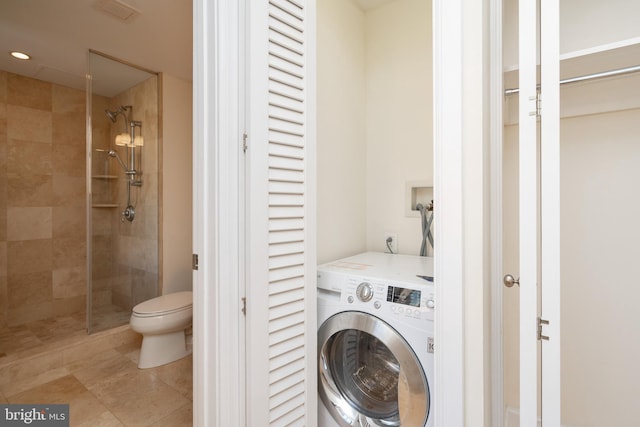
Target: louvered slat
(278,77)
(289,272)
(284,187)
(287,381)
(281,311)
(286,236)
(285,261)
(286,92)
(289,407)
(286,297)
(289,333)
(287,372)
(286,248)
(284,322)
(285,175)
(285,111)
(285,163)
(281,397)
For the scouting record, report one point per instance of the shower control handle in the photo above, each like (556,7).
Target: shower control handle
(129,213)
(364,292)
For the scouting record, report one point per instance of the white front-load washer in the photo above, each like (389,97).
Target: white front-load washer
(375,341)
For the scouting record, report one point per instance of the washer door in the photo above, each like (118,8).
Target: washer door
(369,375)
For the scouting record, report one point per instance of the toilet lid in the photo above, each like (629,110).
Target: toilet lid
(165,303)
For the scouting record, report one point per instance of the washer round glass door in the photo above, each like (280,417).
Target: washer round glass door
(368,374)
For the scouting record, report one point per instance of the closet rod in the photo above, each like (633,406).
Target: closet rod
(602,75)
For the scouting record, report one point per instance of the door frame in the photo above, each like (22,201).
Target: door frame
(448,120)
(218,353)
(496,100)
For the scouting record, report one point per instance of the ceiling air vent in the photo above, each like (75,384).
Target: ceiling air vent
(117,9)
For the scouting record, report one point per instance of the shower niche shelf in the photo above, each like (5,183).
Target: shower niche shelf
(104,177)
(105,205)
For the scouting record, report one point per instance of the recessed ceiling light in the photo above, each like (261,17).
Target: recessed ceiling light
(19,55)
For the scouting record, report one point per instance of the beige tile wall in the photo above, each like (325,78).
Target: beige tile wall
(42,200)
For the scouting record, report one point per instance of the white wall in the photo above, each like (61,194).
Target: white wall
(341,148)
(601,338)
(374,123)
(176,184)
(399,126)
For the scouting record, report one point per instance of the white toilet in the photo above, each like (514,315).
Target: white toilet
(162,321)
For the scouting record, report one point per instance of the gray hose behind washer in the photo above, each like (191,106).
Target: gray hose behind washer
(426,213)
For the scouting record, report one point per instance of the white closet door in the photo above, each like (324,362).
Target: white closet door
(539,215)
(550,210)
(528,190)
(280,156)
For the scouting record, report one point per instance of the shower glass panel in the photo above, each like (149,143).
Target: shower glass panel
(122,187)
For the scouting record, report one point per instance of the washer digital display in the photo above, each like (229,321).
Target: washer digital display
(403,296)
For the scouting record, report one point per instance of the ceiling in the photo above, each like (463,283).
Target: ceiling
(59,33)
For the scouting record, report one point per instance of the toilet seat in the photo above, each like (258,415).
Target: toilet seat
(164,305)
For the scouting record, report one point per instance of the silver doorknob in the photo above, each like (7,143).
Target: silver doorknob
(509,280)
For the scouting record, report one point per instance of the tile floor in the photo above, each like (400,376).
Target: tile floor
(97,376)
(39,334)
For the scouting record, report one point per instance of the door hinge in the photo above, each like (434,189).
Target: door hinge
(538,110)
(541,322)
(244,305)
(244,142)
(194,261)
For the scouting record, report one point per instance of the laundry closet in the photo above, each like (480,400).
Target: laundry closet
(374,128)
(599,211)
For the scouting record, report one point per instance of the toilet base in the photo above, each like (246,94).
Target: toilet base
(157,350)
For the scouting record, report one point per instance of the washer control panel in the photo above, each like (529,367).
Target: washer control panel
(402,300)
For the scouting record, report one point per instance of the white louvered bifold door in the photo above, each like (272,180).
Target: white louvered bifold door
(281,316)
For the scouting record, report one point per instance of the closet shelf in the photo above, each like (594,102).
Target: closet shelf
(611,56)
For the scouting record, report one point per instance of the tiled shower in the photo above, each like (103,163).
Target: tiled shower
(124,253)
(43,206)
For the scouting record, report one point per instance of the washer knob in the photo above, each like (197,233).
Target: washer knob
(364,292)
(431,303)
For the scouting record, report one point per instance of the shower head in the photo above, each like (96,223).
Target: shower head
(113,115)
